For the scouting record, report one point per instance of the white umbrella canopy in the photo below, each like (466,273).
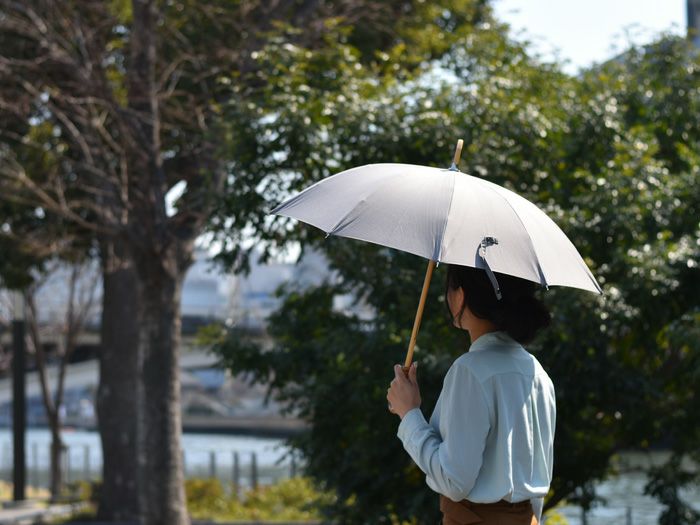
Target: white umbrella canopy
(443,215)
(446,216)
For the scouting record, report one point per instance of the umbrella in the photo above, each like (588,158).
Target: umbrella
(445,216)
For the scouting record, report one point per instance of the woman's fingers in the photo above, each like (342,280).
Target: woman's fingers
(412,373)
(398,372)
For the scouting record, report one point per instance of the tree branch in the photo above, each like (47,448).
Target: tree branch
(35,341)
(13,171)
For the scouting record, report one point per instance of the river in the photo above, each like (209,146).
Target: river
(204,455)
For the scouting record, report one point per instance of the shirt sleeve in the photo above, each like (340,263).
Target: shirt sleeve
(537,506)
(451,458)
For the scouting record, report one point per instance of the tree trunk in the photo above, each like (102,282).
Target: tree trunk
(116,395)
(51,405)
(56,480)
(160,454)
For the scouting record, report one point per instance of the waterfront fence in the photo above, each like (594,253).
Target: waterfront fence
(238,469)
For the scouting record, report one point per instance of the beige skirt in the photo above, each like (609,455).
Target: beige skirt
(500,513)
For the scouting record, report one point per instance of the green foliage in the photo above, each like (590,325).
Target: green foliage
(205,495)
(291,499)
(83,491)
(611,155)
(310,111)
(632,209)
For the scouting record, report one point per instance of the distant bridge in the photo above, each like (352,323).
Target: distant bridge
(85,375)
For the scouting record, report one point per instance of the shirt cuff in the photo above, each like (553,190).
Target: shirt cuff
(537,505)
(412,421)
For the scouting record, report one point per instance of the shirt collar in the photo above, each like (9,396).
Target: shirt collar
(499,337)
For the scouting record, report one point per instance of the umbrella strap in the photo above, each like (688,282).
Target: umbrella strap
(488,241)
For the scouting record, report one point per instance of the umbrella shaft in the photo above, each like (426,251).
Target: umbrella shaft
(419,314)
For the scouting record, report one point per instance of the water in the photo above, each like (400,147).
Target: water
(624,494)
(205,455)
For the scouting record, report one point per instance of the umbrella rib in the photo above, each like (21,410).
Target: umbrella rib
(529,238)
(447,217)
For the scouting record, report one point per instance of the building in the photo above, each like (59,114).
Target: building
(693,10)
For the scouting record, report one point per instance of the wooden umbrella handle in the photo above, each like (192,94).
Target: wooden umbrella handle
(419,315)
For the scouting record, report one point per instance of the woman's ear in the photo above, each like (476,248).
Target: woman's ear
(458,306)
(460,297)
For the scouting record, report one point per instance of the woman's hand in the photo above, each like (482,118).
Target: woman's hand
(403,394)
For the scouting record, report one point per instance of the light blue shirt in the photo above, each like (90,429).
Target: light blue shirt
(491,434)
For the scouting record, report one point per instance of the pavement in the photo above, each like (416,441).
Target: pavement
(30,513)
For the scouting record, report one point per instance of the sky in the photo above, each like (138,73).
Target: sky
(589,31)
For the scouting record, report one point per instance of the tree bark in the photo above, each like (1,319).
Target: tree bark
(117,391)
(160,260)
(57,447)
(160,425)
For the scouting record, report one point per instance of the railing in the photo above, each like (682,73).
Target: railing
(239,469)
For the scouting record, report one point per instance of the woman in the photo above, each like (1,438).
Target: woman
(488,448)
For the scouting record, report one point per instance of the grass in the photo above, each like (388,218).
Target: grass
(294,499)
(30,492)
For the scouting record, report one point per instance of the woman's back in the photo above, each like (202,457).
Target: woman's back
(519,397)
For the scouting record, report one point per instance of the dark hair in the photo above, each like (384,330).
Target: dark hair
(519,312)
